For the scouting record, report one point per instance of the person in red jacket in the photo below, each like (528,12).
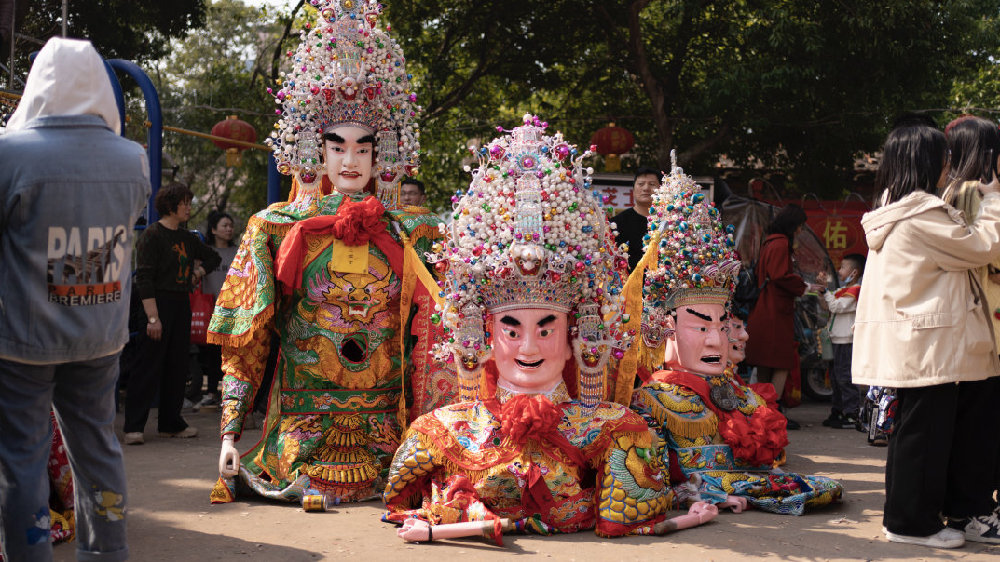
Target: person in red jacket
(771,324)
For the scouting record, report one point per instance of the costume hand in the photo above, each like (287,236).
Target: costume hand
(154,331)
(414,530)
(229,458)
(698,513)
(737,503)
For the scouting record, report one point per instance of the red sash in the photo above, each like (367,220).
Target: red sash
(853,290)
(354,224)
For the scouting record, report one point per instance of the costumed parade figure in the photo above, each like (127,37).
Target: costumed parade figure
(722,438)
(532,308)
(332,275)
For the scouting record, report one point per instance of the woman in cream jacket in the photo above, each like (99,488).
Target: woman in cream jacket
(923,327)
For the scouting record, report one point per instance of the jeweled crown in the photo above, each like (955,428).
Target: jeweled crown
(695,255)
(530,232)
(347,71)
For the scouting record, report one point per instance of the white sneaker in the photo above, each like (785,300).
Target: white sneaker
(134,438)
(189,431)
(984,528)
(945,538)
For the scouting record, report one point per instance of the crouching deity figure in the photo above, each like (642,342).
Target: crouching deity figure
(331,276)
(722,438)
(532,308)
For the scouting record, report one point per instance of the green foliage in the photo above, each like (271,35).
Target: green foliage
(124,29)
(795,84)
(214,72)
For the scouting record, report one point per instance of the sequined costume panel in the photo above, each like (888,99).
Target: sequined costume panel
(332,421)
(704,467)
(456,465)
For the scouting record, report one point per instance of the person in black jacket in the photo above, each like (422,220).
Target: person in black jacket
(166,256)
(631,223)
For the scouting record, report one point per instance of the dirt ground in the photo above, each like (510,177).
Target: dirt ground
(170,517)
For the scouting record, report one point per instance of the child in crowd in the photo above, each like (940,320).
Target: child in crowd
(842,304)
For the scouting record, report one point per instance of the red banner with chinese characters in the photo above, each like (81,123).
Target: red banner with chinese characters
(838,225)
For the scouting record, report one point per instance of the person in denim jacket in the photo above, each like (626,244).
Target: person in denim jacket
(70,190)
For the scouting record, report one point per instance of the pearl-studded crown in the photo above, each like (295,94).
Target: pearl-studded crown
(347,71)
(530,232)
(695,258)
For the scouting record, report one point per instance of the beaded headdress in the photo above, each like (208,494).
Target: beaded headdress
(347,71)
(530,232)
(695,258)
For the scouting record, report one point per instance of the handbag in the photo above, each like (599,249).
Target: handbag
(202,305)
(825,342)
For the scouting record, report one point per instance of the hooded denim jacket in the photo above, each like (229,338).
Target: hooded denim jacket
(71,190)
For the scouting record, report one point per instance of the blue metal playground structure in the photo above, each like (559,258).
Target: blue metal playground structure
(155,135)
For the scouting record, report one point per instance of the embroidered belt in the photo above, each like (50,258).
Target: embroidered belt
(710,458)
(340,401)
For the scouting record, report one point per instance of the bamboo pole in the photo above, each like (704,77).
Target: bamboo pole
(244,144)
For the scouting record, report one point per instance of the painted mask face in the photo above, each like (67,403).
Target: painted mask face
(700,343)
(738,337)
(348,152)
(531,347)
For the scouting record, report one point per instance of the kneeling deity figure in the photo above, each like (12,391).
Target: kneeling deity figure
(722,439)
(532,307)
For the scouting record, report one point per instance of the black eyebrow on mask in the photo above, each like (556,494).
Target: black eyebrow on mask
(510,321)
(547,320)
(704,317)
(334,137)
(370,139)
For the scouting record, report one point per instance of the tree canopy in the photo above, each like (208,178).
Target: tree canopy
(126,29)
(794,85)
(797,84)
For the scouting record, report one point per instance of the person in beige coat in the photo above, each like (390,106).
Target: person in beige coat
(975,145)
(923,327)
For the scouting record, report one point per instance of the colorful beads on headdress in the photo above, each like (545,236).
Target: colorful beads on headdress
(531,233)
(347,71)
(695,258)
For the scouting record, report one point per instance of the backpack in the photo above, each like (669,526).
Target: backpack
(747,290)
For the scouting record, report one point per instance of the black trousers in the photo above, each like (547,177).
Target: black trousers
(162,365)
(846,396)
(210,359)
(942,456)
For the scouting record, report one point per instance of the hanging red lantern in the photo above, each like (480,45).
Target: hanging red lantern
(611,141)
(237,130)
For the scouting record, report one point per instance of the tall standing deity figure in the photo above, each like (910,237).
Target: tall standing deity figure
(332,277)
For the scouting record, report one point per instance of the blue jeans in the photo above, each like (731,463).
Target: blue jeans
(82,394)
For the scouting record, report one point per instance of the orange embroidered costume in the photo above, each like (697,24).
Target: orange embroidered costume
(531,237)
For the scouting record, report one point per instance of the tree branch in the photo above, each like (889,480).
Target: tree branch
(704,145)
(457,94)
(278,49)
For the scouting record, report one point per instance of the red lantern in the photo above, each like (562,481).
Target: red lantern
(610,142)
(237,130)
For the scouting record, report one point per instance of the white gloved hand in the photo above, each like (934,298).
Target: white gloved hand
(229,458)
